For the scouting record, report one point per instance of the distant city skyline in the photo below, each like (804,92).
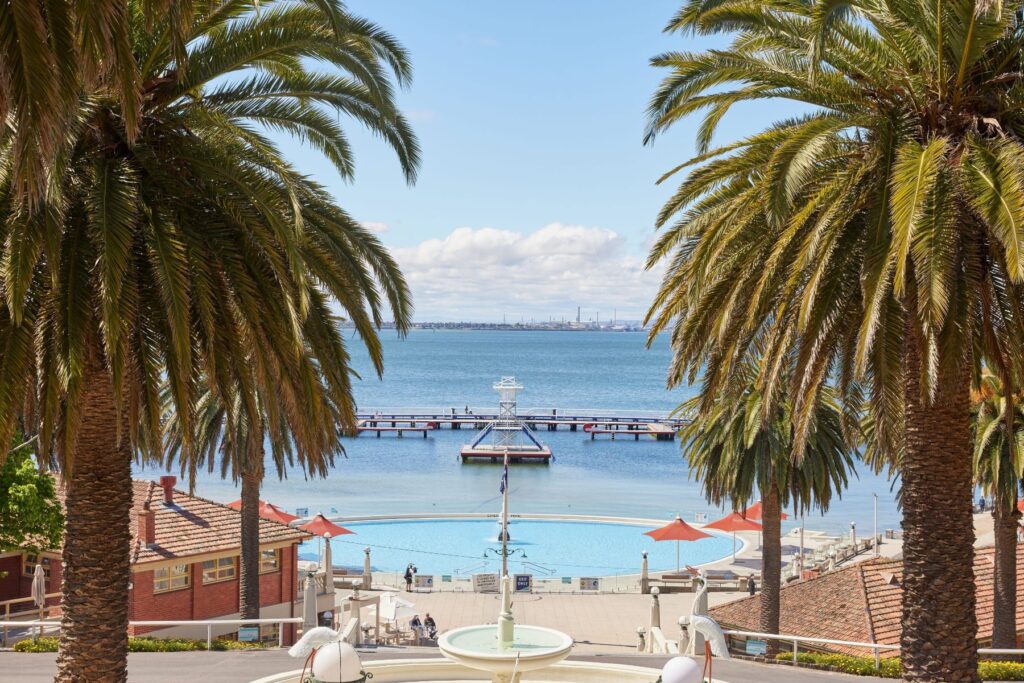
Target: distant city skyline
(536,194)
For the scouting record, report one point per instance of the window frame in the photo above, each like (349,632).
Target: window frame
(276,567)
(220,570)
(171,576)
(28,567)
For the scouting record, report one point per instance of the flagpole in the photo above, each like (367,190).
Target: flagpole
(504,519)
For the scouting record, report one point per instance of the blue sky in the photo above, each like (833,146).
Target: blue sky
(536,194)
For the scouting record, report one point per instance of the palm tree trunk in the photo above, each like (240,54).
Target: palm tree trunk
(939,641)
(1004,596)
(249,571)
(771,570)
(97,541)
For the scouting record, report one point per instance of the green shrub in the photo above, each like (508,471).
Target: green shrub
(144,644)
(890,668)
(1001,671)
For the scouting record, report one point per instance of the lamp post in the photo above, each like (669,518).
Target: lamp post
(874,539)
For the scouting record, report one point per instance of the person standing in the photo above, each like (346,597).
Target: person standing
(751,585)
(408,578)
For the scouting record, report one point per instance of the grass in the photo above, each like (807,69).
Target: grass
(144,644)
(890,668)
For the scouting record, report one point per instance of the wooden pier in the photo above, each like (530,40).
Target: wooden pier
(398,427)
(546,419)
(656,430)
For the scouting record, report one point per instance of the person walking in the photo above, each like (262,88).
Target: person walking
(408,578)
(751,585)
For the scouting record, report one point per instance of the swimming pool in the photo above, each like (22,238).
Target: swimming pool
(552,547)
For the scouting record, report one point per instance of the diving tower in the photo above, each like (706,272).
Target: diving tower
(507,433)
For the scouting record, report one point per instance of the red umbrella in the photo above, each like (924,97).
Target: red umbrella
(268,511)
(272,512)
(320,525)
(677,530)
(754,512)
(734,522)
(1020,506)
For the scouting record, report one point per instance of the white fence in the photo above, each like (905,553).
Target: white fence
(208,623)
(875,648)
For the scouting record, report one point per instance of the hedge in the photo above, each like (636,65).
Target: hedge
(890,667)
(144,644)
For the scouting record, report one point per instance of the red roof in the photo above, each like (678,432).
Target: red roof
(191,525)
(864,604)
(676,530)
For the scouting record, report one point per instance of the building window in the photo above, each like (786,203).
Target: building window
(270,561)
(222,569)
(172,578)
(29,562)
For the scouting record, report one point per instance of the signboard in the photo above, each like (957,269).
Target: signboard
(302,512)
(567,580)
(756,647)
(589,583)
(700,516)
(446,578)
(423,581)
(485,583)
(248,634)
(523,583)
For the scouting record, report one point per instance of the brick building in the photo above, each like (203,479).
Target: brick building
(861,603)
(185,554)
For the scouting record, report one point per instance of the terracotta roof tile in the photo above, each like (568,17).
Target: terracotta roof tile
(860,602)
(192,525)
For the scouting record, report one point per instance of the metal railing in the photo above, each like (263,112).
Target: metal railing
(875,648)
(39,611)
(208,623)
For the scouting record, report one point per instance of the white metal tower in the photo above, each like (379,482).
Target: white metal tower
(507,427)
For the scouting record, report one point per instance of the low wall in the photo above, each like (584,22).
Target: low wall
(417,670)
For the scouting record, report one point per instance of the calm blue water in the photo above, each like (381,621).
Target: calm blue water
(560,369)
(552,548)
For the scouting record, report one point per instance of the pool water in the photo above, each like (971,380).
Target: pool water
(554,548)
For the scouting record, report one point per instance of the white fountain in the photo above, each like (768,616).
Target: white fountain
(508,650)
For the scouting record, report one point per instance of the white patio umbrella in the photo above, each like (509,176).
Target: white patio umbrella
(39,587)
(38,591)
(328,566)
(394,608)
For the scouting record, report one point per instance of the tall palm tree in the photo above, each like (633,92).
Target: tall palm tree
(998,467)
(51,51)
(193,254)
(877,236)
(225,439)
(736,453)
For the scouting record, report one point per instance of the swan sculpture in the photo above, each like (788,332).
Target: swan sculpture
(312,639)
(700,623)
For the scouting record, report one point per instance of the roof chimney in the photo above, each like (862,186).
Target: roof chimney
(167,483)
(147,525)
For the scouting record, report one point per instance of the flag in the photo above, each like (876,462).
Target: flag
(504,479)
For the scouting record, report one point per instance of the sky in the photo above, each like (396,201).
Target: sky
(536,194)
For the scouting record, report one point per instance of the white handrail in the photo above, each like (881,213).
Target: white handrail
(876,648)
(208,623)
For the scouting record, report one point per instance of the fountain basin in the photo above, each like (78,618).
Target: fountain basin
(477,647)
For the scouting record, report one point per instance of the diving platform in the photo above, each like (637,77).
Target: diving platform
(656,430)
(506,434)
(399,427)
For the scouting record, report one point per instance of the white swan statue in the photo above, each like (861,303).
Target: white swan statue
(699,622)
(312,639)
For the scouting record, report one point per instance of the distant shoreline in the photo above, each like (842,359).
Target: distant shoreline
(519,327)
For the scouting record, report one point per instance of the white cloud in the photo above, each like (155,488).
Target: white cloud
(375,226)
(481,274)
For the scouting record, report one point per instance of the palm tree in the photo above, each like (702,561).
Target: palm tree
(191,254)
(735,452)
(877,236)
(998,444)
(223,437)
(51,51)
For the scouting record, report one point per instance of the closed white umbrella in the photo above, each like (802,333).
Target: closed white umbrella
(309,604)
(39,587)
(328,565)
(38,591)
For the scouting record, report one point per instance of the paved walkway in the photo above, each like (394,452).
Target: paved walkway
(242,667)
